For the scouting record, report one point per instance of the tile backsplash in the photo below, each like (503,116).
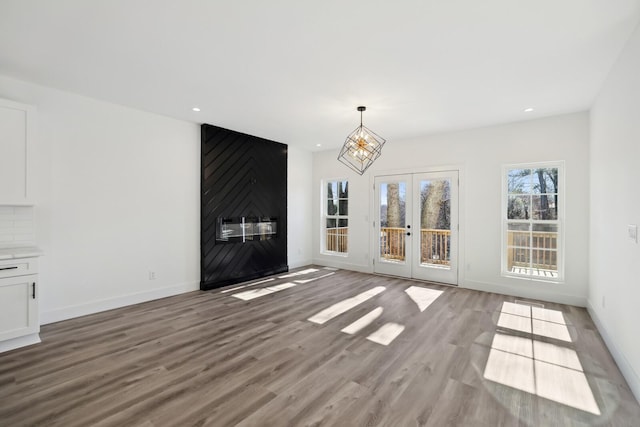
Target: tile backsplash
(17,225)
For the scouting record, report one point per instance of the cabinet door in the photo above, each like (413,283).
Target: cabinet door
(15,131)
(18,307)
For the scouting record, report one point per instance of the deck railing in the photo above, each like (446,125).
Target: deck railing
(392,243)
(543,249)
(434,245)
(337,239)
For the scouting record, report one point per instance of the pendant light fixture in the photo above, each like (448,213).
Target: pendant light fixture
(361,148)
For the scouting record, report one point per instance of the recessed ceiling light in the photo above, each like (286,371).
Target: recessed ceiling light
(318,145)
(196,109)
(528,110)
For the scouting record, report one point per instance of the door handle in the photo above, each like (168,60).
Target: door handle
(33,290)
(9,268)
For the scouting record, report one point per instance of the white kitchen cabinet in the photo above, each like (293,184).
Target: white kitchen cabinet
(19,293)
(17,128)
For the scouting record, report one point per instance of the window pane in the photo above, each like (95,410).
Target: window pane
(343,223)
(544,262)
(518,248)
(343,192)
(544,207)
(518,207)
(332,190)
(343,207)
(519,181)
(332,207)
(331,223)
(545,180)
(545,236)
(518,235)
(518,260)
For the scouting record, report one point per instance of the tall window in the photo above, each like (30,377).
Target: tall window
(532,207)
(336,220)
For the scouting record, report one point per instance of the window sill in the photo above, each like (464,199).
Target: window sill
(531,278)
(338,254)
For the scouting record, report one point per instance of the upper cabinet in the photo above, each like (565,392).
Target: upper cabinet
(17,128)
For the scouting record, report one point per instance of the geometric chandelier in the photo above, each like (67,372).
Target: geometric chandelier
(361,148)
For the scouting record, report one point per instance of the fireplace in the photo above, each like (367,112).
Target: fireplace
(243,207)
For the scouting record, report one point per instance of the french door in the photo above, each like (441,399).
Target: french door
(416,226)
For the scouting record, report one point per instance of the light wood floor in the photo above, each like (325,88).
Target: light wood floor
(211,358)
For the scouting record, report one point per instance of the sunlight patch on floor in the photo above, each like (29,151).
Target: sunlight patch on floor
(549,370)
(362,322)
(516,323)
(247,285)
(299,273)
(423,297)
(345,305)
(534,320)
(386,334)
(511,370)
(257,293)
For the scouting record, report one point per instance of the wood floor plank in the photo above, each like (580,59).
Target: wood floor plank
(212,359)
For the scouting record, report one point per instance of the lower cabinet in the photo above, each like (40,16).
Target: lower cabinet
(19,318)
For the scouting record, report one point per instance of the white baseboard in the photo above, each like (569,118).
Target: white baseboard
(525,293)
(300,263)
(92,307)
(336,263)
(628,372)
(19,342)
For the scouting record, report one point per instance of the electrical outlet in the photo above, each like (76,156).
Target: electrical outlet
(152,275)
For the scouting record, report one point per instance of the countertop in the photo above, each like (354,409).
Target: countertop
(20,252)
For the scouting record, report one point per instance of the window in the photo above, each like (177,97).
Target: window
(532,217)
(336,220)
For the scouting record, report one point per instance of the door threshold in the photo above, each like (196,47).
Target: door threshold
(431,282)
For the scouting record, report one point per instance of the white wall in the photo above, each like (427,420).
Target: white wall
(480,154)
(118,195)
(299,207)
(614,282)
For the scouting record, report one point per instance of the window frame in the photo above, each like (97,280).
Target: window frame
(559,222)
(324,216)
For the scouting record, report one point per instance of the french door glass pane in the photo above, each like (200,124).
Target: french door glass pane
(435,222)
(393,220)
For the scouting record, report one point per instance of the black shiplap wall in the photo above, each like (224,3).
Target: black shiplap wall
(242,175)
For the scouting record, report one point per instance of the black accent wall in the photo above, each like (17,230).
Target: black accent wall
(243,176)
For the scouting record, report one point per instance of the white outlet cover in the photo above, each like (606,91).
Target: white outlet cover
(633,232)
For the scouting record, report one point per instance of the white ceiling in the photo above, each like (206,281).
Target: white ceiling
(294,71)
